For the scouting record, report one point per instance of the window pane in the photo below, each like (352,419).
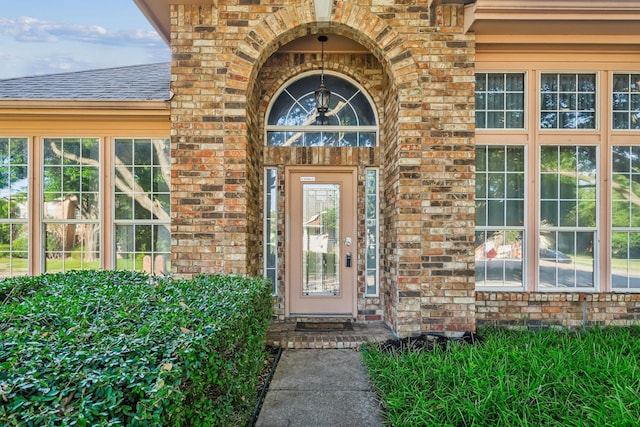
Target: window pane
(498,256)
(500,100)
(566,260)
(495,119)
(625,260)
(568,101)
(496,158)
(481,120)
(481,213)
(271,227)
(495,101)
(141,205)
(568,192)
(515,185)
(142,188)
(349,107)
(514,120)
(515,82)
(625,218)
(14,178)
(515,213)
(373,249)
(549,213)
(71,203)
(481,101)
(500,201)
(143,247)
(72,246)
(495,212)
(14,248)
(481,82)
(626,101)
(496,185)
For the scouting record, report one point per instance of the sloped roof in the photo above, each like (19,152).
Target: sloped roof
(148,82)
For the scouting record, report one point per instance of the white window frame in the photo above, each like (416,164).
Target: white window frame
(524,229)
(610,100)
(41,202)
(28,220)
(266,231)
(525,76)
(597,110)
(376,269)
(574,229)
(615,229)
(154,269)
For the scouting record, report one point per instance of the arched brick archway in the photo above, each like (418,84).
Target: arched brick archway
(427,158)
(286,25)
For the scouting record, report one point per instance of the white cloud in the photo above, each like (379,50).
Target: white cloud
(32,30)
(56,64)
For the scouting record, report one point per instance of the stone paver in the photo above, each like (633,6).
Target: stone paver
(320,388)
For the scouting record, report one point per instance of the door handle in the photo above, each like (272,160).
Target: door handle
(348,260)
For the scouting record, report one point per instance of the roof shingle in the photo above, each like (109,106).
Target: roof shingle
(149,82)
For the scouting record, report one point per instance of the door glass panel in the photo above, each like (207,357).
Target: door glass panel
(321,239)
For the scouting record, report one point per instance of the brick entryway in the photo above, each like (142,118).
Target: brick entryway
(284,334)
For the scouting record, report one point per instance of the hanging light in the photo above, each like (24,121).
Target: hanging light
(322,94)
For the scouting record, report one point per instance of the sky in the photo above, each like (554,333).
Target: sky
(57,36)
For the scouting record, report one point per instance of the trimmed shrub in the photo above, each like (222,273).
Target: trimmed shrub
(105,348)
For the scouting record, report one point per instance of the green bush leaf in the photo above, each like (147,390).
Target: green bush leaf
(114,348)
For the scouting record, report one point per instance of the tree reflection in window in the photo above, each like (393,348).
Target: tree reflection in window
(626,101)
(142,204)
(568,206)
(500,211)
(293,119)
(568,101)
(625,217)
(14,191)
(71,203)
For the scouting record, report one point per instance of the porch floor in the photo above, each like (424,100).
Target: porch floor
(284,334)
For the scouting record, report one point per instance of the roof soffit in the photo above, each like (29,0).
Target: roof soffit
(158,13)
(548,17)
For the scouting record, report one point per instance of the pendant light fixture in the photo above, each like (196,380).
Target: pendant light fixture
(322,94)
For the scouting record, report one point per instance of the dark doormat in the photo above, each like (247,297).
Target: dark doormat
(323,326)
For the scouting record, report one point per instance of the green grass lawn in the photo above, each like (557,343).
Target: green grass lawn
(514,378)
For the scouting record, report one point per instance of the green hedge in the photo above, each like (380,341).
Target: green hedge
(105,348)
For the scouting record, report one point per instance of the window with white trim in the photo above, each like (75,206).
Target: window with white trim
(500,101)
(271,227)
(625,217)
(581,226)
(142,221)
(626,101)
(568,101)
(372,218)
(71,204)
(14,212)
(500,215)
(568,216)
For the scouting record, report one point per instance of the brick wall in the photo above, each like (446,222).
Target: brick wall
(424,92)
(570,310)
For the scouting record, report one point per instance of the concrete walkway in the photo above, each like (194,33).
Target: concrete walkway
(320,388)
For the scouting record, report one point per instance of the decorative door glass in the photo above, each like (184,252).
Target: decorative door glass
(321,239)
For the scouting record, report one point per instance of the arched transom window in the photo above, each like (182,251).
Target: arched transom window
(294,122)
